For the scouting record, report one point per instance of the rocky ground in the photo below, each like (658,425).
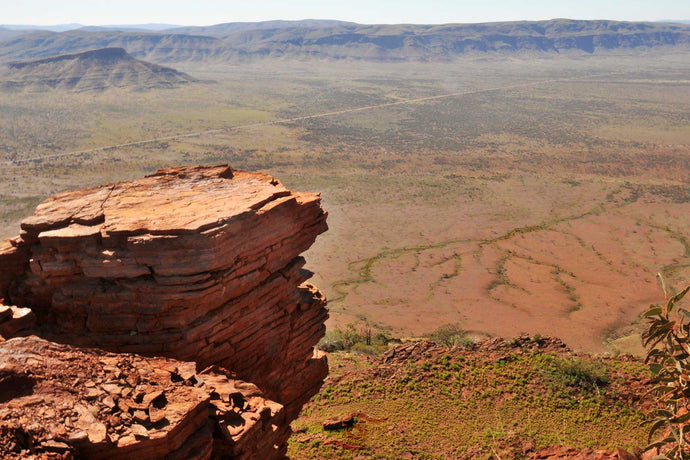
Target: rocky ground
(60,402)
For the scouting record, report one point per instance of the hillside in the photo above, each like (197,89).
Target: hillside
(94,70)
(219,30)
(342,40)
(6,34)
(426,42)
(525,398)
(156,47)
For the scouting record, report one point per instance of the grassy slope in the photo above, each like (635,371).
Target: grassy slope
(506,400)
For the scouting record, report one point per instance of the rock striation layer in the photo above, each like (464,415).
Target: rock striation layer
(195,264)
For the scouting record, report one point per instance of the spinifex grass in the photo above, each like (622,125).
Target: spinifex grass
(470,404)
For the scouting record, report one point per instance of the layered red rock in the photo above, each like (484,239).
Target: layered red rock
(16,321)
(197,264)
(60,402)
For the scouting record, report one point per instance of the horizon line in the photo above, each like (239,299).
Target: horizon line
(172,25)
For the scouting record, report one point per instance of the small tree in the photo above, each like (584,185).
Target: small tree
(667,340)
(448,335)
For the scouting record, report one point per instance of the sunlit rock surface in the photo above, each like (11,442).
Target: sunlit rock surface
(196,264)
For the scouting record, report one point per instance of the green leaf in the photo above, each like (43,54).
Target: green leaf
(656,444)
(655,343)
(667,342)
(682,419)
(652,312)
(656,368)
(653,429)
(678,296)
(664,389)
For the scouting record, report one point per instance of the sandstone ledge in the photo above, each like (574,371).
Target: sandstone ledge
(196,264)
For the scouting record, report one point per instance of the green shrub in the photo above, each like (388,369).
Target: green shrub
(350,338)
(332,341)
(667,340)
(578,373)
(369,350)
(449,335)
(382,339)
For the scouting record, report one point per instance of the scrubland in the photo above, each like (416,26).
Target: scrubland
(500,400)
(542,195)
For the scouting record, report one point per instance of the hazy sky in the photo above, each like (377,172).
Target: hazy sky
(206,12)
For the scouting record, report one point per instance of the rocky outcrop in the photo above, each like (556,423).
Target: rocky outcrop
(60,402)
(16,321)
(195,264)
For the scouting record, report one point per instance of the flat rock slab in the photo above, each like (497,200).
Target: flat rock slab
(172,200)
(339,423)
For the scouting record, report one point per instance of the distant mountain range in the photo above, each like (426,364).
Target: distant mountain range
(94,70)
(73,26)
(150,46)
(325,39)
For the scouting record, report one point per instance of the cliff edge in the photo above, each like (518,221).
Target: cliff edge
(193,264)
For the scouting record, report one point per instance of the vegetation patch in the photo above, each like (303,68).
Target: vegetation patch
(500,399)
(363,340)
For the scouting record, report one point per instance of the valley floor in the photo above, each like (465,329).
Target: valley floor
(541,195)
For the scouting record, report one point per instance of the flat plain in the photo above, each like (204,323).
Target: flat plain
(505,195)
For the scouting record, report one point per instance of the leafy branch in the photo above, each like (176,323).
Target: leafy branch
(667,341)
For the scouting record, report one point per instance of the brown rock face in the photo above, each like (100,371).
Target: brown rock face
(196,264)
